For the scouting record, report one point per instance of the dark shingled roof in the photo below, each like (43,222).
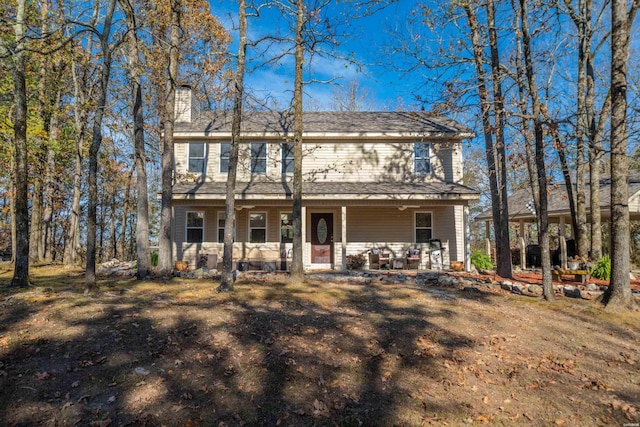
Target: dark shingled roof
(559,200)
(413,123)
(339,190)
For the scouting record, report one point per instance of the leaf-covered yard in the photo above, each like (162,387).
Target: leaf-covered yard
(327,352)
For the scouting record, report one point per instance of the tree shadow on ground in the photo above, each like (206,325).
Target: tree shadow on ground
(272,353)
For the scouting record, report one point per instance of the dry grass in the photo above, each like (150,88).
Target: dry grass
(324,352)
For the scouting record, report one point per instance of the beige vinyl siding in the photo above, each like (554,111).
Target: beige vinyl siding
(181,156)
(327,161)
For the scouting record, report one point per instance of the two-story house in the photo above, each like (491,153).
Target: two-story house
(372,180)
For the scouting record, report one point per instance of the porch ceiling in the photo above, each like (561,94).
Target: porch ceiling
(401,191)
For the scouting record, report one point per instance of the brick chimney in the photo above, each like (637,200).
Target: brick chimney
(184,101)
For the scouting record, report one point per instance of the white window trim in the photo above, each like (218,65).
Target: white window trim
(280,226)
(282,157)
(415,228)
(204,154)
(429,150)
(220,156)
(266,226)
(219,214)
(186,226)
(266,158)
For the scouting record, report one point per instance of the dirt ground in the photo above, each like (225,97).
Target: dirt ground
(335,350)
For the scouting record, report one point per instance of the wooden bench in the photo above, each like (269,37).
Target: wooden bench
(581,275)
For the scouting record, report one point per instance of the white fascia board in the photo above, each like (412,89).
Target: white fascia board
(324,135)
(399,197)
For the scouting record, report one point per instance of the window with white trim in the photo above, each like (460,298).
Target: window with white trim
(197,153)
(423,227)
(421,158)
(286,227)
(257,227)
(195,227)
(259,157)
(287,157)
(225,149)
(221,223)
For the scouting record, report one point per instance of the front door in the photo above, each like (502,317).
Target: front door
(322,238)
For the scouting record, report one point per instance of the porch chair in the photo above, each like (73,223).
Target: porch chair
(413,258)
(378,259)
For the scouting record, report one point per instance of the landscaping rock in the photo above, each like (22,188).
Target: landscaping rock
(571,292)
(535,290)
(506,285)
(116,267)
(592,287)
(518,288)
(429,277)
(447,281)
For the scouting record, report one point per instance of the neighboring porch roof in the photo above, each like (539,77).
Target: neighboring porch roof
(559,201)
(365,124)
(433,190)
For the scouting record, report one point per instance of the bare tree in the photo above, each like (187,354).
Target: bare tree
(618,294)
(21,208)
(142,209)
(96,141)
(495,155)
(167,108)
(297,265)
(543,214)
(226,280)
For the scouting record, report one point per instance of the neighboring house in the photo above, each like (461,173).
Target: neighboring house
(386,180)
(522,211)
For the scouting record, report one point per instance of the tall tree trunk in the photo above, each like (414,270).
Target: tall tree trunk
(503,268)
(21,218)
(297,264)
(580,222)
(35,233)
(72,240)
(96,141)
(143,255)
(124,246)
(543,214)
(618,294)
(165,252)
(226,281)
(488,128)
(49,190)
(597,130)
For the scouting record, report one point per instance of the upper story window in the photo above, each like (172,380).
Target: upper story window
(257,227)
(195,227)
(422,158)
(424,227)
(225,149)
(259,157)
(197,152)
(287,157)
(286,227)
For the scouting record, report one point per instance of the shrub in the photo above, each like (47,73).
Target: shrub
(481,260)
(154,259)
(355,262)
(602,268)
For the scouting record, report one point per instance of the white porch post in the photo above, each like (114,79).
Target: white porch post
(343,239)
(563,244)
(467,239)
(523,247)
(305,252)
(487,240)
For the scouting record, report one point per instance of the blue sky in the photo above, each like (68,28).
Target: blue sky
(365,42)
